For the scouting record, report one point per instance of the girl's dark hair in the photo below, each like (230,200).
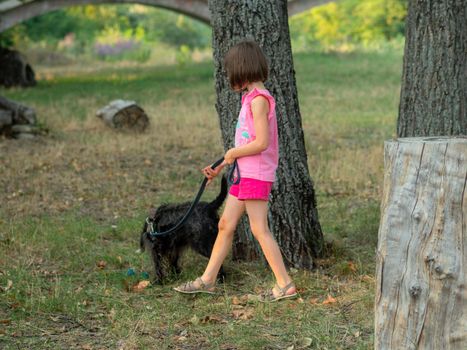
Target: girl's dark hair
(245,63)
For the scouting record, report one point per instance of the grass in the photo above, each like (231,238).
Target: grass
(74,201)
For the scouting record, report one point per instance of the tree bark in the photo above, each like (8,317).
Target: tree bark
(421,295)
(293,217)
(433,92)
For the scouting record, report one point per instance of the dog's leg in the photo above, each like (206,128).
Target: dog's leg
(173,259)
(221,275)
(157,259)
(142,240)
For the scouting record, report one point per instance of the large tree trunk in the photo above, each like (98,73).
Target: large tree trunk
(293,217)
(433,93)
(421,294)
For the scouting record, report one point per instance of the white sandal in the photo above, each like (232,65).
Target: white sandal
(268,297)
(190,288)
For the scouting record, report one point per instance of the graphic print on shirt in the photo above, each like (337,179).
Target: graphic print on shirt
(242,130)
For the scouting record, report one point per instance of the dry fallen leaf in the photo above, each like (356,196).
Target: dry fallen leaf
(141,285)
(243,314)
(242,300)
(236,300)
(352,266)
(314,301)
(15,306)
(329,300)
(101,264)
(8,286)
(305,342)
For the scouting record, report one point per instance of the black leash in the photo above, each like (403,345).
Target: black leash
(231,179)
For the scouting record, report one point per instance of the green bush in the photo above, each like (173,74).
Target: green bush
(348,24)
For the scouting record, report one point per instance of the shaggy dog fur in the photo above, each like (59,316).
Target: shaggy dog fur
(199,232)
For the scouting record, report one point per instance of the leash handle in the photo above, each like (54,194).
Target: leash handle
(217,163)
(231,178)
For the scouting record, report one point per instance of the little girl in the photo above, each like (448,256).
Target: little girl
(256,152)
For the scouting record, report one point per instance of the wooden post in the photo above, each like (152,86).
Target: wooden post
(421,294)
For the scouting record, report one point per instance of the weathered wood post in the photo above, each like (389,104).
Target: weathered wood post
(421,294)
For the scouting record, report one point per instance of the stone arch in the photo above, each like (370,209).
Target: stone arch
(15,11)
(197,9)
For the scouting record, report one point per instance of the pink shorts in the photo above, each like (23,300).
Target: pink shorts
(251,189)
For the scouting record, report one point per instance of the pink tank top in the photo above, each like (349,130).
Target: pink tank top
(261,166)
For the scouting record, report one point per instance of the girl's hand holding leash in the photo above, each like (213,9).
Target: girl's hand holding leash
(211,173)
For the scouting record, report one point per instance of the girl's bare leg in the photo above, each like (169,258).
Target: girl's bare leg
(232,213)
(257,212)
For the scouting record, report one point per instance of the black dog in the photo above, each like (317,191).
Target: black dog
(199,233)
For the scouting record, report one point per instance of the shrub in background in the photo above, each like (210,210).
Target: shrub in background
(349,24)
